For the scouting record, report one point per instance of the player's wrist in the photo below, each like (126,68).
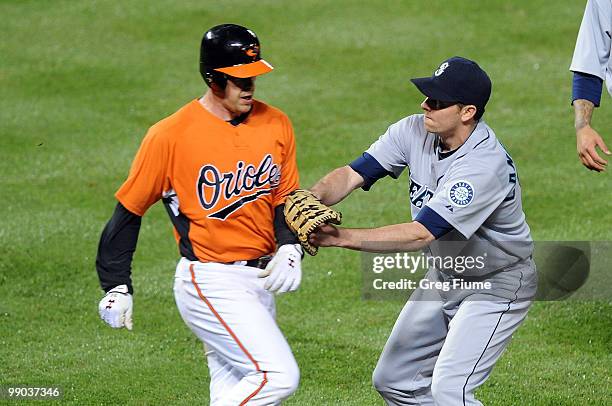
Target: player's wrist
(125,288)
(342,238)
(583,128)
(316,192)
(119,289)
(291,248)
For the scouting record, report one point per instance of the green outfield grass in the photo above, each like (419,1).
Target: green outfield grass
(81,81)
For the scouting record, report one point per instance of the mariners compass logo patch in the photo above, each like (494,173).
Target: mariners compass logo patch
(461,193)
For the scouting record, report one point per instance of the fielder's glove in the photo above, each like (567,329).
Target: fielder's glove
(304,213)
(284,272)
(116,307)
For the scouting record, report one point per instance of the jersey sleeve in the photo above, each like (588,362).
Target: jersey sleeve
(289,179)
(369,169)
(471,192)
(389,155)
(592,50)
(147,178)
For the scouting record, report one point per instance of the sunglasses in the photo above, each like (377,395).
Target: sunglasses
(438,104)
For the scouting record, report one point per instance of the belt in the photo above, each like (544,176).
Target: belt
(260,262)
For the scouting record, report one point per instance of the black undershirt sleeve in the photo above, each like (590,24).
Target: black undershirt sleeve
(116,249)
(281,231)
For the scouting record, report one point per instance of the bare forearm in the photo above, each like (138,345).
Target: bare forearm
(336,185)
(587,138)
(583,110)
(392,238)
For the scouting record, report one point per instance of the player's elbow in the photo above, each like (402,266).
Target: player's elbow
(337,185)
(421,237)
(354,179)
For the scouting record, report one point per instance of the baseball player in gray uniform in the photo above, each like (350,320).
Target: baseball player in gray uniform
(591,65)
(465,199)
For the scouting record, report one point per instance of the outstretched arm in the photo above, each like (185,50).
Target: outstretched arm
(397,237)
(337,185)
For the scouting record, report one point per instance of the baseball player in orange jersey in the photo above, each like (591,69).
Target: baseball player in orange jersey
(222,165)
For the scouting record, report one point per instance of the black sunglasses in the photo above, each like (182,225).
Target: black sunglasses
(438,104)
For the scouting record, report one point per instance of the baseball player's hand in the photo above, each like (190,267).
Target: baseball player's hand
(116,307)
(586,141)
(325,236)
(284,272)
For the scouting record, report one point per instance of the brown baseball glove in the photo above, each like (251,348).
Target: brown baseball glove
(304,213)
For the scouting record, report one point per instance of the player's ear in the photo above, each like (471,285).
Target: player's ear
(467,112)
(217,90)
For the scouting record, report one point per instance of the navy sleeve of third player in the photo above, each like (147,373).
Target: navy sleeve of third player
(587,87)
(369,169)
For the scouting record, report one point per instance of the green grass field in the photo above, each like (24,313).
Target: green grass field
(81,81)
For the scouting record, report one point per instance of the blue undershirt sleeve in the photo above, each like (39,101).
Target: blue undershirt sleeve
(587,87)
(432,221)
(369,169)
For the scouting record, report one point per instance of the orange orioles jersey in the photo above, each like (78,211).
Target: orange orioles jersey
(220,183)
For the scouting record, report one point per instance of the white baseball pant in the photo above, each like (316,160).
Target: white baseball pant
(228,309)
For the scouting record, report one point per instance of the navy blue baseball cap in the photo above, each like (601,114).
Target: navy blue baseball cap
(459,80)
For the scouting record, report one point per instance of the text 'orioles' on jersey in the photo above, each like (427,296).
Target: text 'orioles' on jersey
(221,206)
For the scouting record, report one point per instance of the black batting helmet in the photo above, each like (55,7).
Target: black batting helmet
(230,50)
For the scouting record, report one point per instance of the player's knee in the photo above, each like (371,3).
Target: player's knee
(284,382)
(446,391)
(381,378)
(389,385)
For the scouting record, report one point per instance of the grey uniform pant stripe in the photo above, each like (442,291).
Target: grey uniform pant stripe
(491,337)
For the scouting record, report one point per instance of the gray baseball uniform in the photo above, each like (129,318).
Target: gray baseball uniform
(594,43)
(445,344)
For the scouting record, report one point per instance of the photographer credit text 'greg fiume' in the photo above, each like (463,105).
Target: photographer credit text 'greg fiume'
(403,272)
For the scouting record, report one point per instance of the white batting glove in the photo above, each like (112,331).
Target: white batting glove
(284,272)
(116,307)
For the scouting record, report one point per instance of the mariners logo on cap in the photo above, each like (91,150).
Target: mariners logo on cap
(461,193)
(441,69)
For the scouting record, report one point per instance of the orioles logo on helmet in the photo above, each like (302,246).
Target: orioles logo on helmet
(252,52)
